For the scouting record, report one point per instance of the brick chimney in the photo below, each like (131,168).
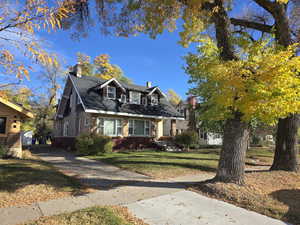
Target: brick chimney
(192,101)
(148,84)
(76,70)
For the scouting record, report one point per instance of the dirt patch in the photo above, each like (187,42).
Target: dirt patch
(275,194)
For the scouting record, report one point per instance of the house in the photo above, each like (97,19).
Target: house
(132,114)
(187,109)
(11,117)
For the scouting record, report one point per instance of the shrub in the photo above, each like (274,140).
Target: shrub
(93,144)
(187,139)
(3,150)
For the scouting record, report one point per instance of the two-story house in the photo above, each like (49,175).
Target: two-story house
(132,114)
(187,109)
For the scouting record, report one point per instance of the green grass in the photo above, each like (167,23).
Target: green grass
(89,216)
(171,164)
(27,181)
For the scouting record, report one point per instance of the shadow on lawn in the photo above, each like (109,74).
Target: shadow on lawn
(20,173)
(175,164)
(291,198)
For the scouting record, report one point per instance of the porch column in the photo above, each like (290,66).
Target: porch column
(159,129)
(173,128)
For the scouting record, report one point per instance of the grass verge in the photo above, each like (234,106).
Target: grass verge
(275,194)
(92,216)
(23,182)
(160,164)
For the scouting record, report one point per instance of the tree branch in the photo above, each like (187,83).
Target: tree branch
(253,25)
(267,5)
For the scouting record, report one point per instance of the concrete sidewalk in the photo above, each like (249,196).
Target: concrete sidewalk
(90,172)
(155,205)
(118,196)
(190,208)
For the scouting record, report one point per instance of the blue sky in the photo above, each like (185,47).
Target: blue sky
(141,58)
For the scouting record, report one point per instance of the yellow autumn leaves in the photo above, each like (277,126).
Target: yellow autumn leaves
(19,22)
(264,84)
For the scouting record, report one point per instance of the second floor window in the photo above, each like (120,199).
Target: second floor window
(111,92)
(135,97)
(154,99)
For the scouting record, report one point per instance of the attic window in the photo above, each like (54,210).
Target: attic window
(135,97)
(111,92)
(154,99)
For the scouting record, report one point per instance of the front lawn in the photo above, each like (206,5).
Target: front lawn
(275,194)
(23,182)
(160,164)
(92,216)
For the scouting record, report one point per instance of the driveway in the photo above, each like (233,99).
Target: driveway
(90,172)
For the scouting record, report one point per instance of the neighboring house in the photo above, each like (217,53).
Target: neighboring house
(133,115)
(11,117)
(187,110)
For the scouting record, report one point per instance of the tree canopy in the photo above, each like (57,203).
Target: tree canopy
(101,67)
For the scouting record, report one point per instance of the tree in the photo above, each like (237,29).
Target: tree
(173,97)
(285,30)
(19,21)
(153,17)
(101,67)
(53,76)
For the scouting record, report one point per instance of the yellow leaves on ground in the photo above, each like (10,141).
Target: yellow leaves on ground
(265,84)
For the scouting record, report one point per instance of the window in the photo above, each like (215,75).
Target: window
(111,92)
(66,128)
(109,127)
(144,100)
(139,128)
(2,125)
(123,98)
(86,121)
(135,97)
(154,99)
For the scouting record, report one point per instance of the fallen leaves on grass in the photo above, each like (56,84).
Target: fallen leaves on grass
(114,215)
(275,194)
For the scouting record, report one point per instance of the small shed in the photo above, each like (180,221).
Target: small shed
(11,117)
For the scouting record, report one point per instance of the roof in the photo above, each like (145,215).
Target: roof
(86,87)
(16,107)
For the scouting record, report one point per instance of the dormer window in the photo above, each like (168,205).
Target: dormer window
(111,92)
(135,97)
(123,98)
(144,100)
(154,99)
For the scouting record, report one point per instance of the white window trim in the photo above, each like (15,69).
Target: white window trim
(145,100)
(145,127)
(131,99)
(123,96)
(115,124)
(152,97)
(115,92)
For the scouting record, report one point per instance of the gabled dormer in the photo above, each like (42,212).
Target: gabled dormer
(112,89)
(154,95)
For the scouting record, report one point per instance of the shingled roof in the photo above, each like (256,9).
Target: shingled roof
(92,101)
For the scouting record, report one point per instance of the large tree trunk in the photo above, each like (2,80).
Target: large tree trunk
(286,150)
(232,159)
